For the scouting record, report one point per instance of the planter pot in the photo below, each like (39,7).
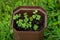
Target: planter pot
(30,35)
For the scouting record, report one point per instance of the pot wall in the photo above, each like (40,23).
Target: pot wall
(28,35)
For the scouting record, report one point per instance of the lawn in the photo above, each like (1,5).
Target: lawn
(52,31)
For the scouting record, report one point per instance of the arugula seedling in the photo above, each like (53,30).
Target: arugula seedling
(29,24)
(16,16)
(26,17)
(25,13)
(35,11)
(31,19)
(33,16)
(19,22)
(24,25)
(26,20)
(38,17)
(35,27)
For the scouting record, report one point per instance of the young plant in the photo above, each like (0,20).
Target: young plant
(19,23)
(35,11)
(24,26)
(31,18)
(25,17)
(38,17)
(29,24)
(35,27)
(16,16)
(35,15)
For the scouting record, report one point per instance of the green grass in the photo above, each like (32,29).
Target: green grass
(52,31)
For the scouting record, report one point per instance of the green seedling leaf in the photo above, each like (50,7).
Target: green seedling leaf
(19,22)
(38,17)
(35,27)
(27,26)
(31,19)
(26,20)
(30,22)
(25,13)
(30,25)
(35,12)
(33,16)
(26,17)
(24,25)
(16,16)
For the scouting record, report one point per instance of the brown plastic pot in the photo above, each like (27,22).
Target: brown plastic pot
(30,35)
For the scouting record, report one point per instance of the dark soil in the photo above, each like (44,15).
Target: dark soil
(39,23)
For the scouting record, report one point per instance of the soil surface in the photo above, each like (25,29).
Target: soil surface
(39,23)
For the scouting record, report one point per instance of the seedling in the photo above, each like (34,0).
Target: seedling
(25,17)
(38,17)
(24,25)
(19,23)
(35,27)
(31,18)
(28,25)
(35,11)
(16,16)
